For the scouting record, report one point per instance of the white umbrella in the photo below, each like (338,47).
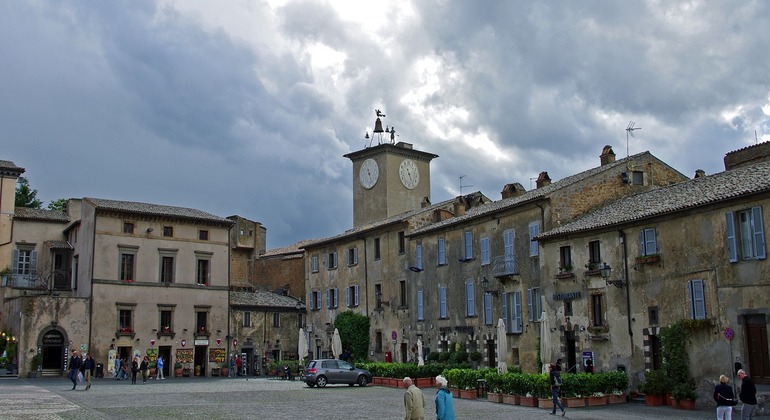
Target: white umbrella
(420,360)
(336,344)
(302,347)
(545,340)
(502,347)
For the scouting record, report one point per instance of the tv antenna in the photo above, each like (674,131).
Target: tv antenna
(630,130)
(461,184)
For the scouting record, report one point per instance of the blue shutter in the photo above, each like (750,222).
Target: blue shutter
(33,261)
(470,300)
(347,296)
(442,302)
(318,299)
(487,308)
(468,245)
(441,252)
(328,298)
(418,256)
(15,257)
(310,301)
(697,300)
(759,233)
(517,324)
(336,297)
(355,300)
(642,252)
(732,246)
(534,230)
(420,315)
(530,306)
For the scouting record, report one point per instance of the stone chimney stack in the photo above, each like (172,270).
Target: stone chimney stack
(607,156)
(459,206)
(700,173)
(512,190)
(543,180)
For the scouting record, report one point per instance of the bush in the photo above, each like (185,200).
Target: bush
(433,356)
(458,357)
(654,383)
(444,357)
(36,361)
(475,356)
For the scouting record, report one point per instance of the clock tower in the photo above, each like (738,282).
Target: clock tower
(388,179)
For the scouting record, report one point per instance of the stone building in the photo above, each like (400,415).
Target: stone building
(482,264)
(694,250)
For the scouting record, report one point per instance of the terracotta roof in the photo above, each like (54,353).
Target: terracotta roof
(264,299)
(156,210)
(529,196)
(43,215)
(295,248)
(735,183)
(9,168)
(58,245)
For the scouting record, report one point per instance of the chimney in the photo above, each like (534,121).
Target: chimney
(459,206)
(607,156)
(512,190)
(700,173)
(425,202)
(543,180)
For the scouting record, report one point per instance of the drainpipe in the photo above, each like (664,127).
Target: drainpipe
(366,277)
(628,288)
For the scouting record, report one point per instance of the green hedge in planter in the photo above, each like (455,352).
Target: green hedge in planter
(401,370)
(465,378)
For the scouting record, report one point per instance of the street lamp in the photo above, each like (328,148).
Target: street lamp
(606,270)
(485,285)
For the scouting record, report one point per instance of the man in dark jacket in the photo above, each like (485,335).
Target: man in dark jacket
(748,395)
(75,363)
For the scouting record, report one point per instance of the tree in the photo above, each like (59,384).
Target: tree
(60,204)
(354,333)
(25,196)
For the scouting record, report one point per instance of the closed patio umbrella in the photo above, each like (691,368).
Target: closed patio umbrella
(336,344)
(302,347)
(420,360)
(545,341)
(502,347)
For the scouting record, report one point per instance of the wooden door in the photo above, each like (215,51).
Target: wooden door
(756,347)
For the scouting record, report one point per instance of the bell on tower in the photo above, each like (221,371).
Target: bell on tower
(378,130)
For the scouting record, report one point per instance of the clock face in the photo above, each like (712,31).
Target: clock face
(369,173)
(410,175)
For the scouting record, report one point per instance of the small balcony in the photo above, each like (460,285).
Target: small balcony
(504,266)
(202,332)
(124,332)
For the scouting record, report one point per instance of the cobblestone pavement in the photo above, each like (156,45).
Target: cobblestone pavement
(220,398)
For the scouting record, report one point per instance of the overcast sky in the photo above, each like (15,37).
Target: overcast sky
(247,107)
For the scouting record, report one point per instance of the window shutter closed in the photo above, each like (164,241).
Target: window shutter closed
(355,291)
(759,233)
(347,296)
(530,306)
(697,300)
(505,312)
(732,247)
(15,258)
(33,259)
(517,325)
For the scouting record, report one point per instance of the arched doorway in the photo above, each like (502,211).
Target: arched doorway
(51,343)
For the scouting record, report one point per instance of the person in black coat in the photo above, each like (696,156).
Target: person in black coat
(723,395)
(88,370)
(748,395)
(75,363)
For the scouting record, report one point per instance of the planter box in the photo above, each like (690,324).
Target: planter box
(594,401)
(686,404)
(616,399)
(648,259)
(468,394)
(511,399)
(455,392)
(424,382)
(574,402)
(545,403)
(653,400)
(494,397)
(528,401)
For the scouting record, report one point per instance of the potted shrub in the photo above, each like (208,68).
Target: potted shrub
(177,369)
(224,368)
(36,364)
(685,396)
(654,387)
(475,357)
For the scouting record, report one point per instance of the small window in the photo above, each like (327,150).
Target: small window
(597,310)
(418,256)
(126,320)
(376,248)
(565,259)
(314,264)
(168,231)
(276,320)
(378,296)
(470,299)
(637,178)
(487,309)
(352,256)
(442,309)
(166,269)
(648,242)
(652,315)
(201,322)
(127,265)
(534,305)
(247,319)
(534,230)
(402,294)
(331,261)
(203,275)
(128,227)
(567,308)
(314,302)
(351,296)
(420,307)
(166,321)
(378,342)
(697,299)
(746,235)
(203,235)
(512,312)
(594,255)
(401,243)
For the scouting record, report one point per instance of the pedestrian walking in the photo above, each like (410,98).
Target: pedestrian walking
(159,368)
(116,372)
(414,401)
(238,365)
(748,395)
(445,408)
(75,363)
(88,370)
(134,370)
(231,363)
(143,367)
(555,381)
(723,395)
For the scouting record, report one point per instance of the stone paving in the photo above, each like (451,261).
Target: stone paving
(261,398)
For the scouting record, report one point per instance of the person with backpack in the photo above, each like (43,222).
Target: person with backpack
(554,378)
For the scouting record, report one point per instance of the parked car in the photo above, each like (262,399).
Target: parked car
(331,371)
